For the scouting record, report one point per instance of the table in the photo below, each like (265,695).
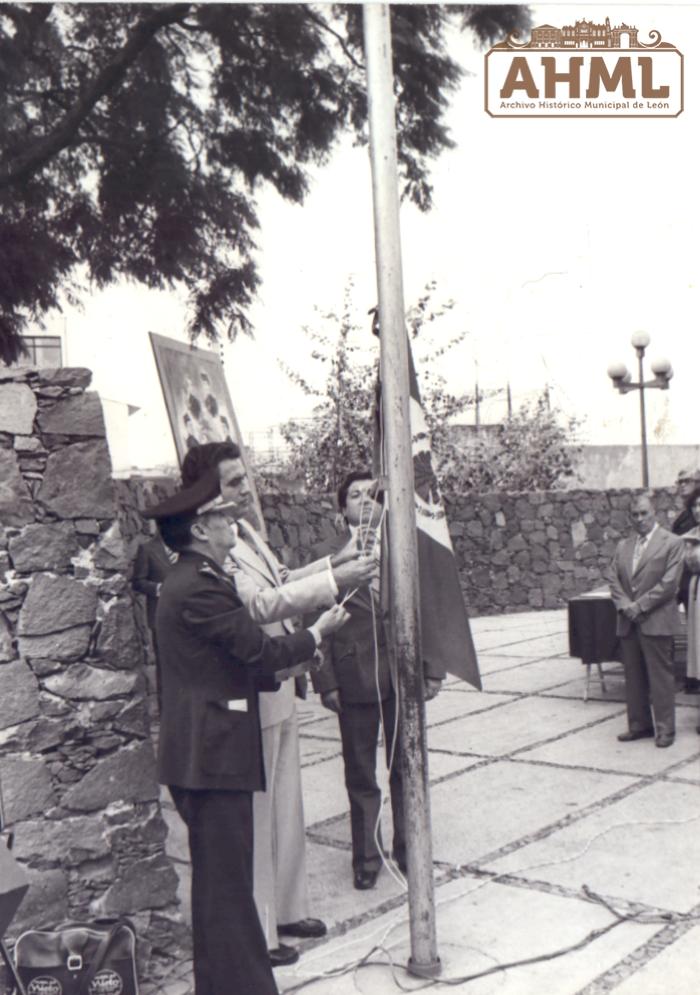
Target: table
(592,638)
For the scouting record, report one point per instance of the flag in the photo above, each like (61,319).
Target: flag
(446,637)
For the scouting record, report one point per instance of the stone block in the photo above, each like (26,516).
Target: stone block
(77,482)
(70,644)
(46,902)
(44,547)
(112,552)
(70,841)
(127,775)
(79,414)
(65,376)
(20,694)
(26,787)
(118,640)
(16,506)
(82,682)
(56,603)
(87,526)
(17,408)
(150,883)
(7,651)
(578,533)
(27,444)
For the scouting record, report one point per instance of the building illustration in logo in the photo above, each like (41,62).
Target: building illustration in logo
(585,34)
(584,69)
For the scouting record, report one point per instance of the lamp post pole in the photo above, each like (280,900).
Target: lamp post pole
(622,381)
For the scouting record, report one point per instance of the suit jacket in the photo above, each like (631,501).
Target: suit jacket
(214,658)
(349,656)
(653,585)
(151,566)
(275,604)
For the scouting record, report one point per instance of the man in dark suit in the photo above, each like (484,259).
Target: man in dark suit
(356,682)
(214,660)
(646,571)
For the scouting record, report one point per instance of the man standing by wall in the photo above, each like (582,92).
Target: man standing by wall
(274,595)
(646,571)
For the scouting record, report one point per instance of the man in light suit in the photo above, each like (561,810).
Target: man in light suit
(274,596)
(646,571)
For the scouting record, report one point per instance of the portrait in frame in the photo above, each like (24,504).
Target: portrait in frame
(198,403)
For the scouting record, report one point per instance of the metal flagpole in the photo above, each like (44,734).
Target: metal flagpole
(403,554)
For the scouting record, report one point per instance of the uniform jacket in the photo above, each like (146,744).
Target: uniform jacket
(653,585)
(214,656)
(351,663)
(151,566)
(274,605)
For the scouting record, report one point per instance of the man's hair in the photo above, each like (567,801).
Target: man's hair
(176,531)
(348,482)
(200,459)
(693,497)
(644,496)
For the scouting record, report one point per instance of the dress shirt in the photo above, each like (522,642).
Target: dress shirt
(640,545)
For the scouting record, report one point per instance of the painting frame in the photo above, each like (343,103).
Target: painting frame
(199,405)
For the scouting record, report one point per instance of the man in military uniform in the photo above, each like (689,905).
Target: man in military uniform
(214,660)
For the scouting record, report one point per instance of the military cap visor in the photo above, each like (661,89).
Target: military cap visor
(199,498)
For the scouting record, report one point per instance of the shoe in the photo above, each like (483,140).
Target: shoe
(283,956)
(629,737)
(305,928)
(364,880)
(665,739)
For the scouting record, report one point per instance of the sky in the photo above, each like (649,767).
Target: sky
(557,239)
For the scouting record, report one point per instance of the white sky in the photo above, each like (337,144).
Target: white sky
(556,238)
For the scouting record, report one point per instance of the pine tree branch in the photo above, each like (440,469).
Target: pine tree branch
(20,167)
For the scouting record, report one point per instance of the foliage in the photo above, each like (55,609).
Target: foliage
(339,436)
(135,137)
(535,449)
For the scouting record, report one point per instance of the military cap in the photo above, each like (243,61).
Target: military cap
(203,496)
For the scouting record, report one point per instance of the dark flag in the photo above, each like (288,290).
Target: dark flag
(446,637)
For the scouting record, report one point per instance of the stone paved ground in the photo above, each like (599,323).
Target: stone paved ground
(532,798)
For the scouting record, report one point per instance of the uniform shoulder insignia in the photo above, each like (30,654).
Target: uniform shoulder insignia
(209,571)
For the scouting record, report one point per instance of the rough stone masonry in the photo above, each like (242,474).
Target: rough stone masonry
(77,766)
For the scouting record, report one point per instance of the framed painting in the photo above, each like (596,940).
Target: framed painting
(198,402)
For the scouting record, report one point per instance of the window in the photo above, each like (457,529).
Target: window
(42,350)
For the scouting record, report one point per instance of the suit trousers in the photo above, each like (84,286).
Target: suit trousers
(649,681)
(281,892)
(359,730)
(230,953)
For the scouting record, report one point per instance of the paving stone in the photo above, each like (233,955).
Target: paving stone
(639,848)
(517,724)
(599,749)
(536,676)
(676,969)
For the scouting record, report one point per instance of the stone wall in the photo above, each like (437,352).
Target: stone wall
(76,760)
(515,552)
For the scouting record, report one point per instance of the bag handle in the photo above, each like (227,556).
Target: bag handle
(98,959)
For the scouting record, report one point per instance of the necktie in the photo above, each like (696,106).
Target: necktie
(638,550)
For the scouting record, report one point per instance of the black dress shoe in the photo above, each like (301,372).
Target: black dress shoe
(283,956)
(665,739)
(364,880)
(629,737)
(305,928)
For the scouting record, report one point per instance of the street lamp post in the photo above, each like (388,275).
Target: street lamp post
(622,381)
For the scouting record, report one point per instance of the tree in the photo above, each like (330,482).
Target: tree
(536,449)
(135,137)
(340,434)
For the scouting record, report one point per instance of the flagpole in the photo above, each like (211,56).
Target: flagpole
(403,555)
